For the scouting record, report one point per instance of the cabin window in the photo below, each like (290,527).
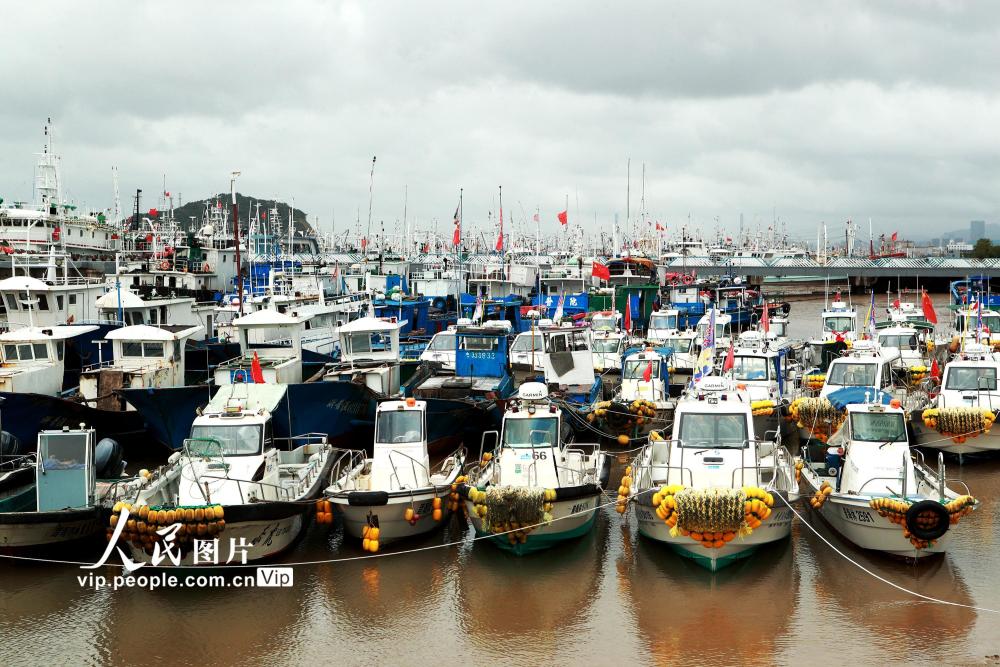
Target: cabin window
(900,341)
(531,432)
(43,302)
(527,343)
(24,351)
(72,299)
(152,349)
(40,350)
(364,342)
(714,430)
(11,298)
(153,316)
(778,328)
(479,343)
(135,348)
(720,330)
(971,379)
(60,349)
(136,317)
(750,368)
(399,426)
(678,345)
(605,345)
(838,324)
(851,375)
(636,369)
(224,440)
(132,348)
(663,322)
(442,343)
(10,352)
(59,302)
(878,427)
(602,324)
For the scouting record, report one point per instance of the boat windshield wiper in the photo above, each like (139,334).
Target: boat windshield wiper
(889,442)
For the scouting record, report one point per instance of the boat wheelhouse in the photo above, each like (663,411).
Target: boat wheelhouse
(34,358)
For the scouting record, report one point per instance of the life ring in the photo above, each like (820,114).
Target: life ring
(164,265)
(930,529)
(687,278)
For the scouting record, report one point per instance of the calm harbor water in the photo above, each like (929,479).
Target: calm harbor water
(605,599)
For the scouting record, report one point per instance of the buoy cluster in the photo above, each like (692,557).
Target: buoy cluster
(370,534)
(959,424)
(515,511)
(763,408)
(817,415)
(487,457)
(453,498)
(324,512)
(821,495)
(799,465)
(622,417)
(624,491)
(196,522)
(918,373)
(712,517)
(815,381)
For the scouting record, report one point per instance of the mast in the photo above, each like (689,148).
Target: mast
(371,189)
(236,241)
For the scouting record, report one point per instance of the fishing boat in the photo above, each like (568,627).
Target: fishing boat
(395,493)
(839,321)
(958,420)
(232,480)
(710,492)
(526,353)
(568,364)
(441,350)
(34,358)
(55,495)
(878,494)
(534,488)
(607,342)
(642,401)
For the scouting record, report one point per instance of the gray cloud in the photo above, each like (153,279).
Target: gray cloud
(818,112)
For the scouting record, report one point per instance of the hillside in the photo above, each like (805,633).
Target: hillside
(247,205)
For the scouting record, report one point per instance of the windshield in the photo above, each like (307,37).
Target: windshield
(901,341)
(663,322)
(750,368)
(536,431)
(225,439)
(991,322)
(635,370)
(442,343)
(878,427)
(604,345)
(678,345)
(719,330)
(524,343)
(851,374)
(602,324)
(400,426)
(971,379)
(838,324)
(717,431)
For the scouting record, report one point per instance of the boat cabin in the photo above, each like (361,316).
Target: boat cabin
(33,358)
(568,360)
(864,366)
(839,321)
(645,376)
(875,442)
(32,302)
(278,354)
(608,347)
(662,324)
(481,366)
(400,459)
(970,380)
(369,350)
(526,351)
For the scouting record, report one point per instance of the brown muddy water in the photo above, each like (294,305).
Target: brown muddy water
(605,599)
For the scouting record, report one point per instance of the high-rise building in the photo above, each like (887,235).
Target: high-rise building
(977,230)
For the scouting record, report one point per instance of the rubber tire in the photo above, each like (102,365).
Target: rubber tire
(927,534)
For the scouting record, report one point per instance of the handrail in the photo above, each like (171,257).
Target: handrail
(413,467)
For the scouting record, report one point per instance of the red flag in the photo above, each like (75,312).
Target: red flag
(895,236)
(535,217)
(935,371)
(500,237)
(628,313)
(659,227)
(153,212)
(647,374)
(166,194)
(563,217)
(600,271)
(457,236)
(928,307)
(364,242)
(256,373)
(765,320)
(730,360)
(895,304)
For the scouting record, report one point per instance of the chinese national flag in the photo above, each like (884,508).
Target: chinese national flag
(659,227)
(600,271)
(500,237)
(647,374)
(730,360)
(364,242)
(563,217)
(628,314)
(895,236)
(256,372)
(153,212)
(935,371)
(456,237)
(928,308)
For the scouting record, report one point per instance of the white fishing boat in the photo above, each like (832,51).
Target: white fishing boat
(607,341)
(232,480)
(140,356)
(395,493)
(710,491)
(55,495)
(839,320)
(872,490)
(34,358)
(534,489)
(272,341)
(369,353)
(959,419)
(442,349)
(526,353)
(663,324)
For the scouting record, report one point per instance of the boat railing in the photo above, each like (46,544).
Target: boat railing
(648,471)
(414,465)
(346,460)
(280,492)
(15,461)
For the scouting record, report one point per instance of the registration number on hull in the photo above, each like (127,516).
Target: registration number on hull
(857,516)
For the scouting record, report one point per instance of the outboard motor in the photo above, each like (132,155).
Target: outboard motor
(108,462)
(9,444)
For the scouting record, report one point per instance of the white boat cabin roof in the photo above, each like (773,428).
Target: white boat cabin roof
(270,318)
(36,334)
(147,332)
(363,324)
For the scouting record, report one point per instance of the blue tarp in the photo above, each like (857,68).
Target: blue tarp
(841,398)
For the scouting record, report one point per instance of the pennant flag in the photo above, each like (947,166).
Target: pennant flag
(895,303)
(765,320)
(500,237)
(563,217)
(364,242)
(935,370)
(166,194)
(928,308)
(256,372)
(559,308)
(600,271)
(730,359)
(477,314)
(628,314)
(647,374)
(660,227)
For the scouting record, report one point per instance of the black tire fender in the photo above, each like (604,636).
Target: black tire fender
(927,534)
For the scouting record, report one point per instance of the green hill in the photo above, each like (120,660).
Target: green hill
(247,206)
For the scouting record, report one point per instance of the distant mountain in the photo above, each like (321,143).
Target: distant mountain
(247,206)
(962,234)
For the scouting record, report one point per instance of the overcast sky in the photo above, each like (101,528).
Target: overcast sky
(815,111)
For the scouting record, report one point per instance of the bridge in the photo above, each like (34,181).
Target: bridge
(940,268)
